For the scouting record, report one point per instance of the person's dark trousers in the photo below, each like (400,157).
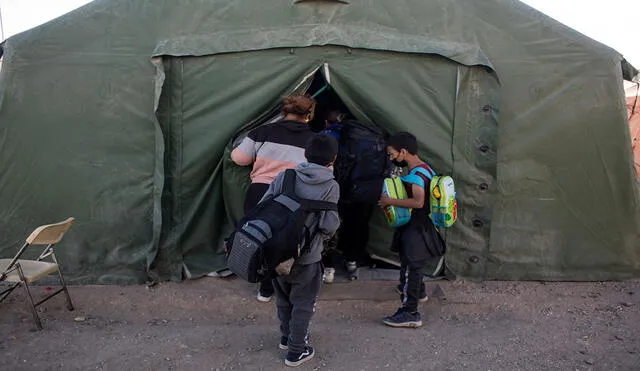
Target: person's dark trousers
(353,236)
(254,194)
(296,300)
(403,283)
(413,257)
(328,257)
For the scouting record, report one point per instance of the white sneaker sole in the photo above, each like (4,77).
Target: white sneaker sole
(283,347)
(298,363)
(263,299)
(413,324)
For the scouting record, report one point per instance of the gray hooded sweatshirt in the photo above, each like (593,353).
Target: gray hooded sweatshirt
(313,182)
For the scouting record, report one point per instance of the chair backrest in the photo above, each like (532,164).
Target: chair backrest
(43,235)
(49,234)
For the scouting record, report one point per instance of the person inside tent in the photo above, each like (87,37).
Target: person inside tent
(272,149)
(360,169)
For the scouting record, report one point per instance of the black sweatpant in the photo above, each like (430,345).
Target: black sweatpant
(417,242)
(254,194)
(296,302)
(353,236)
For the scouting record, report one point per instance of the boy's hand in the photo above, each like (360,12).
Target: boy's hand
(385,201)
(415,202)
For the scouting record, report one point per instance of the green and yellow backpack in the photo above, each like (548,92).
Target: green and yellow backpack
(442,197)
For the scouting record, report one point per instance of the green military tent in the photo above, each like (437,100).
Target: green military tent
(121,114)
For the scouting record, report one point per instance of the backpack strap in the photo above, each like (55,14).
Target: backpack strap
(315,206)
(414,176)
(413,179)
(429,174)
(289,184)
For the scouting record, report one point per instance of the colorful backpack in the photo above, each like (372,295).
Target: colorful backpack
(442,197)
(396,216)
(444,206)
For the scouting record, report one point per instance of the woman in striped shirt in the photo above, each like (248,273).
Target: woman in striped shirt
(274,148)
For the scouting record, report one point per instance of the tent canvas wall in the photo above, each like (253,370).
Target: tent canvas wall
(121,112)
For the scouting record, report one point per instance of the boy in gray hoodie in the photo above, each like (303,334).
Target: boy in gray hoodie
(297,292)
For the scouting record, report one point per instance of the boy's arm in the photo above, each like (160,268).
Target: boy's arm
(415,202)
(330,220)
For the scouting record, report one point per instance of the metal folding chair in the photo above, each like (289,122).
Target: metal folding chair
(22,272)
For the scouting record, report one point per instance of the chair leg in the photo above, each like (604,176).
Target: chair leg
(36,318)
(66,291)
(5,293)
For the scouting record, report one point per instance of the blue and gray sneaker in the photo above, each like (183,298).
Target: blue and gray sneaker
(403,318)
(284,343)
(296,359)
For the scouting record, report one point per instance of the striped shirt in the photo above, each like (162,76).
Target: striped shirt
(272,149)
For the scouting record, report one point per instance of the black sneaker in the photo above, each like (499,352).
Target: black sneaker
(264,297)
(423,296)
(403,318)
(296,359)
(284,343)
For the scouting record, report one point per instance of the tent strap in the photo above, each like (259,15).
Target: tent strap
(325,87)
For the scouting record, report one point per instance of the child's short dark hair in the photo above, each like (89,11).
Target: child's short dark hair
(404,140)
(321,149)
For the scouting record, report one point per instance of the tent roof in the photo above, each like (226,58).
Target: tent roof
(467,31)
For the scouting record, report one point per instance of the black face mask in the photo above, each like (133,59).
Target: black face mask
(400,163)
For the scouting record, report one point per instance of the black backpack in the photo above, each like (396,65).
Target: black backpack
(362,162)
(273,232)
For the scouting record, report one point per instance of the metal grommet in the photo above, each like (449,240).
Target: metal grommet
(486,108)
(478,223)
(484,148)
(483,186)
(474,259)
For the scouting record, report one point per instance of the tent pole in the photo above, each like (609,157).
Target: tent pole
(1,25)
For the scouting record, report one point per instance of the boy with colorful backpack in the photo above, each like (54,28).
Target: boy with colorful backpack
(417,241)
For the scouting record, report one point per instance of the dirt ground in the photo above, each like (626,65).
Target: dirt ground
(216,324)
